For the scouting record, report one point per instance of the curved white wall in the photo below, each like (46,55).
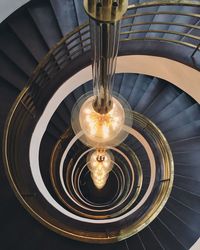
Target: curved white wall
(183,76)
(7,7)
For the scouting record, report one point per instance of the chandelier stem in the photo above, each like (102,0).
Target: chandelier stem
(105,44)
(105,19)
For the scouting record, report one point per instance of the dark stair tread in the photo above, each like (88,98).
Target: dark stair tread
(16,51)
(192,31)
(149,239)
(27,32)
(186,145)
(127,84)
(178,228)
(63,9)
(182,19)
(80,13)
(187,199)
(185,117)
(189,185)
(186,158)
(54,130)
(88,86)
(145,18)
(117,83)
(11,73)
(58,122)
(8,94)
(79,92)
(188,130)
(46,23)
(185,214)
(64,115)
(135,241)
(155,87)
(138,90)
(165,236)
(162,18)
(188,170)
(168,95)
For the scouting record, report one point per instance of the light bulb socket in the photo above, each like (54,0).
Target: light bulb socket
(103,107)
(102,11)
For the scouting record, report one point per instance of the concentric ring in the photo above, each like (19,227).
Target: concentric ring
(61,219)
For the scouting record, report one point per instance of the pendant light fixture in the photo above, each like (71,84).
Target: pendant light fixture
(101,116)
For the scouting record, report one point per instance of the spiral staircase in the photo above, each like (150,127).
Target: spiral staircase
(46,42)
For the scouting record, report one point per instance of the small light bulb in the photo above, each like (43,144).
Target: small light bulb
(100,165)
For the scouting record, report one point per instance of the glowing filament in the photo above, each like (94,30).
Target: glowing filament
(101,128)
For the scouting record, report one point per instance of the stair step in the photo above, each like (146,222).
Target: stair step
(63,9)
(188,130)
(80,14)
(12,73)
(184,214)
(136,242)
(186,145)
(138,90)
(184,20)
(178,228)
(185,117)
(150,240)
(162,18)
(188,170)
(46,23)
(27,32)
(191,186)
(127,84)
(168,95)
(15,50)
(165,236)
(155,87)
(187,199)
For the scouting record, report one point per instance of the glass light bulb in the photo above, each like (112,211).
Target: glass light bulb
(101,128)
(100,184)
(100,165)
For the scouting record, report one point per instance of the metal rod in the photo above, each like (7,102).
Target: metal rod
(196,49)
(105,43)
(160,31)
(165,3)
(152,13)
(126,243)
(105,34)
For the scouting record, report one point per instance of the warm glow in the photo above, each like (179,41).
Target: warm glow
(100,165)
(101,128)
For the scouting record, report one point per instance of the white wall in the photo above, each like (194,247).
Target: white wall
(9,6)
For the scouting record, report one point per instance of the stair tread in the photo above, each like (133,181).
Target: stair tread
(11,73)
(167,96)
(62,10)
(165,236)
(17,52)
(178,228)
(185,215)
(25,29)
(46,23)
